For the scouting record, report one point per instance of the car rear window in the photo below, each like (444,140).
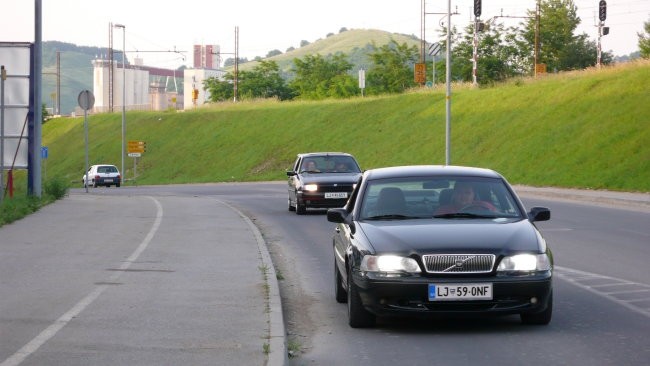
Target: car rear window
(106,169)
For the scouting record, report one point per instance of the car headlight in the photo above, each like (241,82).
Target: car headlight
(525,263)
(389,263)
(310,187)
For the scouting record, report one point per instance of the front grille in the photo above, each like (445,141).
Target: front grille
(340,187)
(459,263)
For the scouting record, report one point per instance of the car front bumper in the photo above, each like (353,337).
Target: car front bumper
(318,200)
(409,295)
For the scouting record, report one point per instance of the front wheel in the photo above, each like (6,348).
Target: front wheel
(542,318)
(301,209)
(358,316)
(291,208)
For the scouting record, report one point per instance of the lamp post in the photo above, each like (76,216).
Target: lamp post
(123,92)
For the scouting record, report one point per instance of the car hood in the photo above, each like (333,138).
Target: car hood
(330,178)
(499,236)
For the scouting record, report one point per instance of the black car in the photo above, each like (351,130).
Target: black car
(321,180)
(436,240)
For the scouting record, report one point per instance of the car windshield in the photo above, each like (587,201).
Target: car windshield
(437,197)
(330,164)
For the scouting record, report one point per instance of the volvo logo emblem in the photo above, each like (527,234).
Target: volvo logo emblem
(459,264)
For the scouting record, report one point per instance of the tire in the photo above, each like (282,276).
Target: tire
(339,292)
(94,184)
(358,316)
(542,318)
(117,185)
(300,209)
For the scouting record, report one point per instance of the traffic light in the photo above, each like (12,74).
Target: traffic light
(605,31)
(195,94)
(477,8)
(602,10)
(481,26)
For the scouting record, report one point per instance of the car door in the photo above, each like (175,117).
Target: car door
(294,180)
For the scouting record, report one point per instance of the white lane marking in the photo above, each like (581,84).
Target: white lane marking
(49,332)
(578,278)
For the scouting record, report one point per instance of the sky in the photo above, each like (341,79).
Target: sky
(154,27)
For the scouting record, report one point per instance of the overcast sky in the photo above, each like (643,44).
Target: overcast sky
(265,25)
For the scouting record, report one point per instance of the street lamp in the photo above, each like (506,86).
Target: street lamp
(123,93)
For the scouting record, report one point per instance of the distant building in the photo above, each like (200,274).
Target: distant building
(142,93)
(207,64)
(193,83)
(207,56)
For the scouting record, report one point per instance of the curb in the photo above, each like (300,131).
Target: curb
(277,355)
(621,200)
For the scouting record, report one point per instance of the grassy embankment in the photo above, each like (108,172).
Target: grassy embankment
(588,129)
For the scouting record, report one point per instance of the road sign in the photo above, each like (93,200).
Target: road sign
(420,73)
(434,49)
(135,155)
(86,100)
(44,152)
(136,146)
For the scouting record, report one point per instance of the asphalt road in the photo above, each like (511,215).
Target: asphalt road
(602,295)
(602,289)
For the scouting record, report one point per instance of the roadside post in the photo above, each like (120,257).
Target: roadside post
(44,153)
(362,80)
(3,77)
(135,150)
(86,101)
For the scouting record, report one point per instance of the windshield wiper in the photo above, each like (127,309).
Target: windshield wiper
(310,171)
(392,217)
(464,215)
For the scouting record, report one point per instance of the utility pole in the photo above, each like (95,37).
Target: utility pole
(537,15)
(236,63)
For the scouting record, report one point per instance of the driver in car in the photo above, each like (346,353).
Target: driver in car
(464,198)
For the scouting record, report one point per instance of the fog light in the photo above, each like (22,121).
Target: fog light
(533,300)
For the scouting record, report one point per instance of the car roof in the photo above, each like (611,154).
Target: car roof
(429,170)
(312,154)
(98,165)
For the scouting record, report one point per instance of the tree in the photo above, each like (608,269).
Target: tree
(318,77)
(304,43)
(644,40)
(220,89)
(231,61)
(273,53)
(263,81)
(559,48)
(495,61)
(392,69)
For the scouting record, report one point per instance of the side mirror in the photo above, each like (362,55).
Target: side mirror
(290,173)
(341,216)
(337,215)
(539,214)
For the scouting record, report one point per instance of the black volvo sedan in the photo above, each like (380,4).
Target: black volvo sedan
(321,180)
(424,240)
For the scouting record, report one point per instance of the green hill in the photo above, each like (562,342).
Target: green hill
(588,129)
(355,43)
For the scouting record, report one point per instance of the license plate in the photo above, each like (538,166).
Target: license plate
(336,194)
(108,180)
(460,291)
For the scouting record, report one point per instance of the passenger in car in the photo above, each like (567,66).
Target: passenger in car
(462,197)
(310,166)
(342,168)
